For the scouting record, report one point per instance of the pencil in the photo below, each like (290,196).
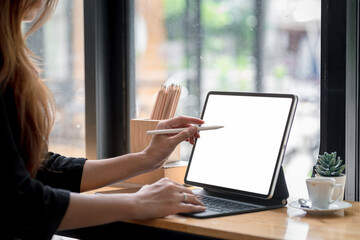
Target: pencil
(175,102)
(152,115)
(157,105)
(167,103)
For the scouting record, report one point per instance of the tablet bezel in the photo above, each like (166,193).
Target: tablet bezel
(281,151)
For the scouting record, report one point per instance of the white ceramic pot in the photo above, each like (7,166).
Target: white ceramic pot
(338,180)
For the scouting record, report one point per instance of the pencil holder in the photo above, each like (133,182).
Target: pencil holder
(139,140)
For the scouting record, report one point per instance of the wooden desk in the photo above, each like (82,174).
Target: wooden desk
(284,223)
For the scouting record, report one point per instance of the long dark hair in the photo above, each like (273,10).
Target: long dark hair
(19,72)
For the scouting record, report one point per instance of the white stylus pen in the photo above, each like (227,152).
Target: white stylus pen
(177,130)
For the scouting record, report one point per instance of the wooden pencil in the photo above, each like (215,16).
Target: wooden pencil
(154,109)
(157,105)
(163,103)
(175,102)
(169,102)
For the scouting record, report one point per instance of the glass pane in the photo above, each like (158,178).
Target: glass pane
(235,45)
(60,43)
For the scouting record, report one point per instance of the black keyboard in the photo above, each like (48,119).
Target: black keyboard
(224,205)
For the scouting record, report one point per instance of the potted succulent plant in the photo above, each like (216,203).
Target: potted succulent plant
(329,165)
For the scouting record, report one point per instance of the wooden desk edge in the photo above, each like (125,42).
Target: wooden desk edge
(164,223)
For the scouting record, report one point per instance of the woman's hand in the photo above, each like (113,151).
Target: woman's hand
(163,198)
(161,146)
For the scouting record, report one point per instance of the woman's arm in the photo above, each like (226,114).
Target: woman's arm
(86,210)
(160,199)
(100,173)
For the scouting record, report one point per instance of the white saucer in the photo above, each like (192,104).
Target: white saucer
(336,206)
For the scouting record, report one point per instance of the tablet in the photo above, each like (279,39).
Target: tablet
(244,157)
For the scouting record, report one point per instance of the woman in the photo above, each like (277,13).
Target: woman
(40,187)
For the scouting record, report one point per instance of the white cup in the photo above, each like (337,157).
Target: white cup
(321,191)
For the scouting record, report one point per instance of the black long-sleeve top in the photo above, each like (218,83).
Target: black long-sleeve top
(32,208)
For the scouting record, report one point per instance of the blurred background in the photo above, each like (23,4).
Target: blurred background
(203,45)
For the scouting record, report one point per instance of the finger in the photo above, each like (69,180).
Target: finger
(187,208)
(190,198)
(180,188)
(183,120)
(188,191)
(165,125)
(183,135)
(197,135)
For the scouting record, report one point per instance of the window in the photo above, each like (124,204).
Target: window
(60,43)
(234,45)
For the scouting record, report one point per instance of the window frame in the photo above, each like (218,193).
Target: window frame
(352,190)
(109,76)
(339,115)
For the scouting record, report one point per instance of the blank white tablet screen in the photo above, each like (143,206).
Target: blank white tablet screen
(243,154)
